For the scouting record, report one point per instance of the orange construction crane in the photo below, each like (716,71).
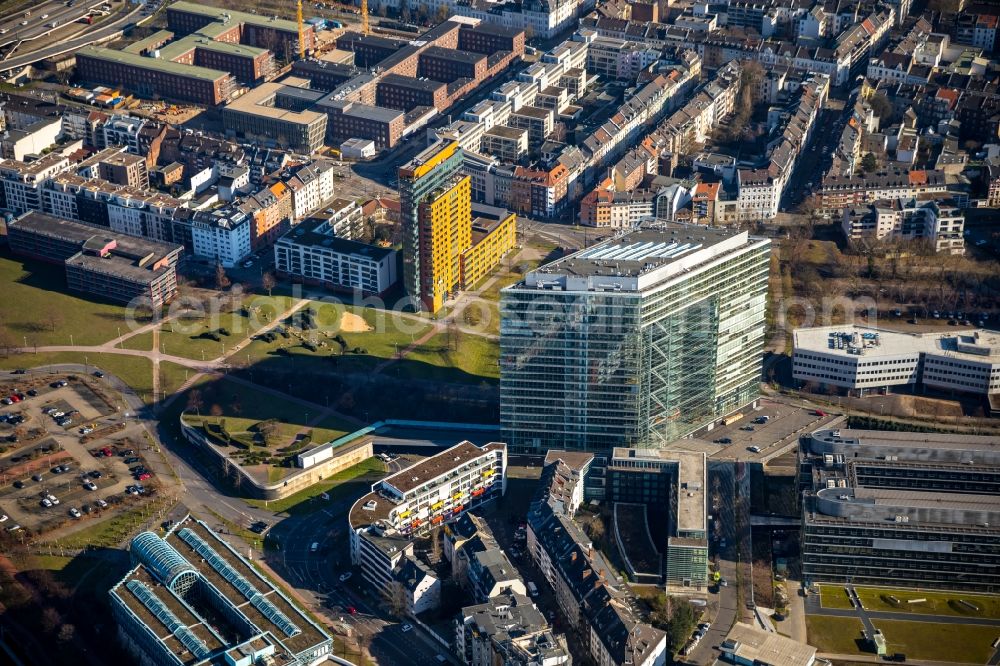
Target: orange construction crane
(364,16)
(302,30)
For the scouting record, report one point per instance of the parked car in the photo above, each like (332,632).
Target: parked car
(407,627)
(52,498)
(98,373)
(89,485)
(74,512)
(754,449)
(724,440)
(144,476)
(36,478)
(101,503)
(45,502)
(96,474)
(344,577)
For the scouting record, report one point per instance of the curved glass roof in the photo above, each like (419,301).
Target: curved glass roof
(160,557)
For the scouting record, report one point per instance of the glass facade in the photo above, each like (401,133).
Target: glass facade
(592,369)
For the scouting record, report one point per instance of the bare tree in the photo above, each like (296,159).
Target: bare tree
(222,280)
(453,335)
(195,401)
(436,544)
(53,318)
(396,599)
(267,281)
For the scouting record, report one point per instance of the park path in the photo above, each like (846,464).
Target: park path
(156,363)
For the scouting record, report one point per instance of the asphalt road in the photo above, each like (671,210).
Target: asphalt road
(816,157)
(35,26)
(104,30)
(724,528)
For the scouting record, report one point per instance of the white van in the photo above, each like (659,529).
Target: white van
(532,589)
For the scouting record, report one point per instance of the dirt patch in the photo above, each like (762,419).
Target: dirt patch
(352,323)
(42,463)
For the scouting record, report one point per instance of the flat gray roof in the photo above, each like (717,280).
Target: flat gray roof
(979,344)
(636,259)
(691,478)
(427,85)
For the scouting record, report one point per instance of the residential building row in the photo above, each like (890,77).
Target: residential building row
(591,596)
(761,190)
(434,492)
(503,625)
(500,133)
(112,189)
(715,48)
(616,203)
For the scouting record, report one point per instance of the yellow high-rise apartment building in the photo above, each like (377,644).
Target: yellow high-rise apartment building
(445,218)
(442,252)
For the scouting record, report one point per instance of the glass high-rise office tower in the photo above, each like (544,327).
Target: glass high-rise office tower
(637,341)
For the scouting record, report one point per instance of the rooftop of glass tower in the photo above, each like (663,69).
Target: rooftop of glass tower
(638,258)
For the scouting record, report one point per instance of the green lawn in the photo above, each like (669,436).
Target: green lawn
(349,481)
(172,377)
(834,596)
(36,310)
(179,337)
(475,359)
(963,643)
(111,532)
(391,332)
(287,431)
(938,603)
(135,371)
(247,403)
(837,635)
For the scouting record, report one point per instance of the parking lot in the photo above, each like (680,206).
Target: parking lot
(762,432)
(64,453)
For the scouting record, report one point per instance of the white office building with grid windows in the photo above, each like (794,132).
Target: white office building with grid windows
(863,360)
